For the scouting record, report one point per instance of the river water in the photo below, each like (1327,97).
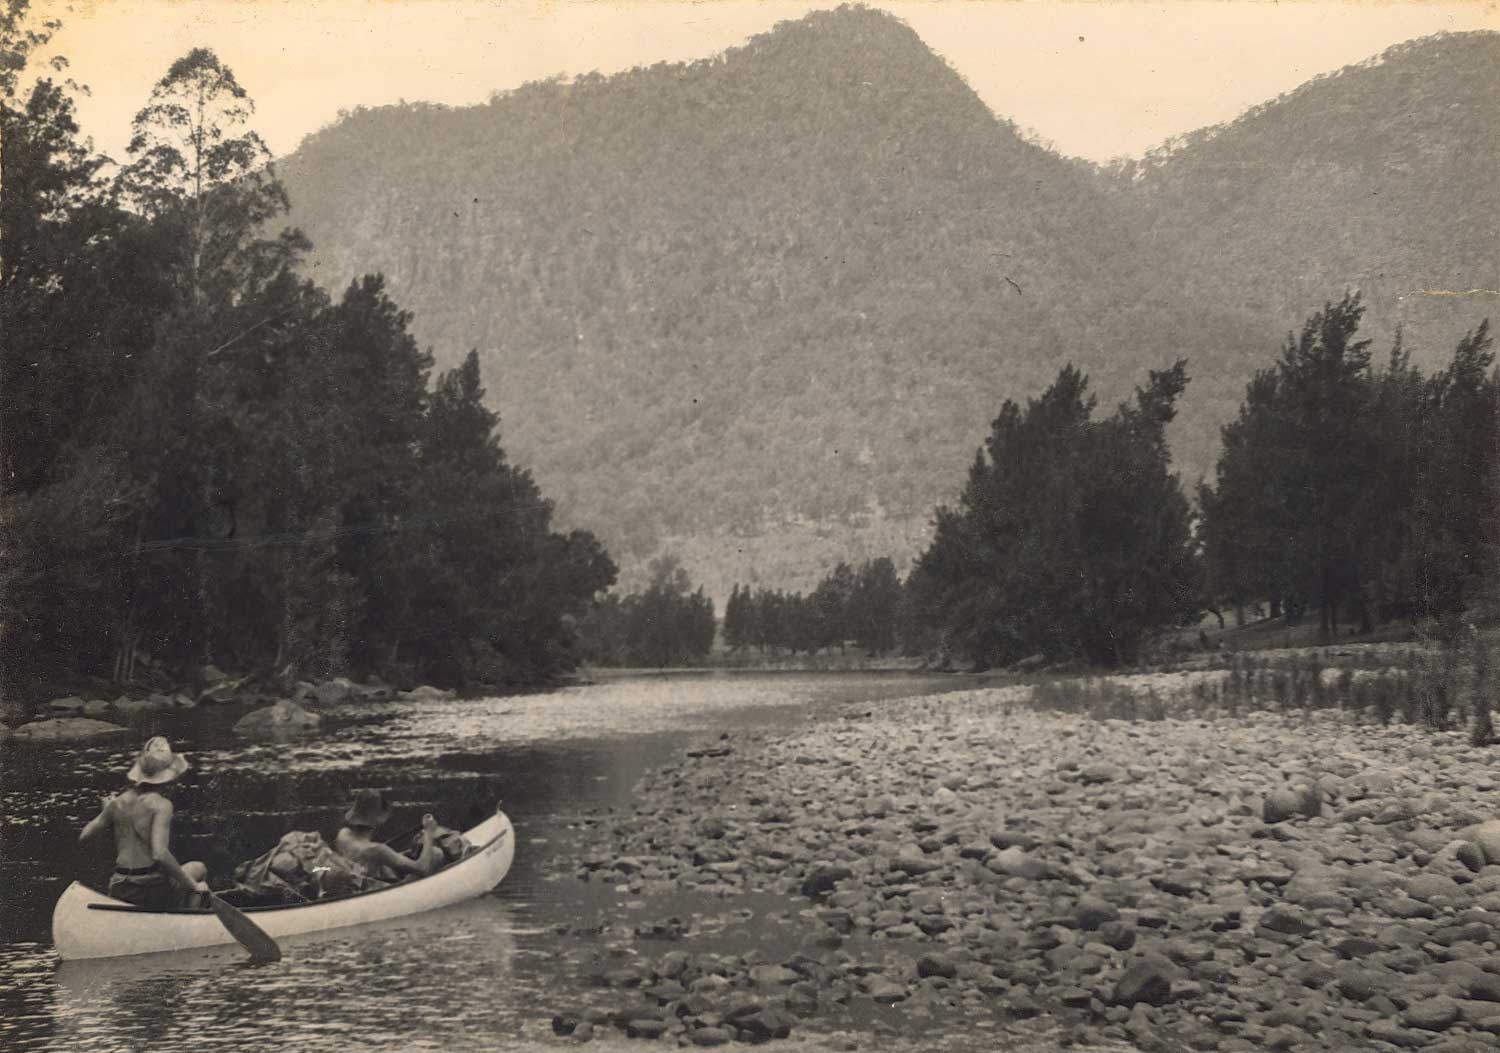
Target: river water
(478,976)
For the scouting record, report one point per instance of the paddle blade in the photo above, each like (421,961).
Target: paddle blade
(248,934)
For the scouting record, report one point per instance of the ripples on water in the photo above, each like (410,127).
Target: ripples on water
(473,976)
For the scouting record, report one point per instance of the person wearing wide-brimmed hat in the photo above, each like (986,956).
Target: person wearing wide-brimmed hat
(146,873)
(356,840)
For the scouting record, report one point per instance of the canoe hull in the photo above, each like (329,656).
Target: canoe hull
(89,924)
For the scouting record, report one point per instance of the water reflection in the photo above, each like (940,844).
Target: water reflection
(378,986)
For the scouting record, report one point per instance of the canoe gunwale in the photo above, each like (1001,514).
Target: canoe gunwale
(129,908)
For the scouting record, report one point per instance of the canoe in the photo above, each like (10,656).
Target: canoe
(89,924)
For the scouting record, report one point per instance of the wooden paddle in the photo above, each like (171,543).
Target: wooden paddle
(246,933)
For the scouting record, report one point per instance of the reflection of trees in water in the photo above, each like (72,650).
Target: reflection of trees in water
(127,1003)
(27,1009)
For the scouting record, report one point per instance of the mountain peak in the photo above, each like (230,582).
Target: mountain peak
(759,309)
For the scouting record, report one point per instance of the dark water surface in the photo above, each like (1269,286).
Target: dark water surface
(475,976)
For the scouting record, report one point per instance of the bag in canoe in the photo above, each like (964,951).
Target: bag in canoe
(300,868)
(451,846)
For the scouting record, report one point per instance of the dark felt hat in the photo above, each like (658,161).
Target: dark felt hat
(369,809)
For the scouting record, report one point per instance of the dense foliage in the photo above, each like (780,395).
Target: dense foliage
(1071,538)
(848,606)
(205,459)
(669,623)
(1364,493)
(780,290)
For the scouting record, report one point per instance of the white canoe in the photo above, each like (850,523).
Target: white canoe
(89,924)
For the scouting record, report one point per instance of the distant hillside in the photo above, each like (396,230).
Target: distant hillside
(761,309)
(1384,177)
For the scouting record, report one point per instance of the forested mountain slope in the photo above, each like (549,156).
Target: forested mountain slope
(1382,177)
(761,309)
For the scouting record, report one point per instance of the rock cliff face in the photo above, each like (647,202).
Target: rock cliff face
(762,308)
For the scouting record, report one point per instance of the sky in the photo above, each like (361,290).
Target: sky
(1096,78)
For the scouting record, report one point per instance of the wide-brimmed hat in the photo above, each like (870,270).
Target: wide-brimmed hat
(369,809)
(157,764)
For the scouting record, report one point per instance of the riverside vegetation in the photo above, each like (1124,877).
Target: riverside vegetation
(208,460)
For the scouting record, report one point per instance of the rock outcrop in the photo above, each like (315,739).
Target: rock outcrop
(285,717)
(67,729)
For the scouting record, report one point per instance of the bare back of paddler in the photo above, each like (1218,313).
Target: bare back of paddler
(356,840)
(146,873)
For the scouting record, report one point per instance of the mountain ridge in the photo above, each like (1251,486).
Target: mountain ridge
(759,309)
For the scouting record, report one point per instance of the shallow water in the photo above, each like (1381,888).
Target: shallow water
(480,975)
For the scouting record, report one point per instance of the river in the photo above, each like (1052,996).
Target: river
(481,975)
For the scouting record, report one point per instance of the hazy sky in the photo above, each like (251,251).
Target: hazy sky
(1099,79)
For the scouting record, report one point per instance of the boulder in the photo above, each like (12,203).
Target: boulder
(154,703)
(1428,887)
(426,693)
(773,975)
(1288,920)
(71,704)
(334,692)
(1435,1014)
(1014,862)
(1092,913)
(1305,800)
(211,674)
(765,1025)
(67,729)
(1148,980)
(1486,837)
(220,693)
(284,716)
(932,964)
(822,880)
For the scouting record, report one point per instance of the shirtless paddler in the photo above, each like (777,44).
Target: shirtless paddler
(146,873)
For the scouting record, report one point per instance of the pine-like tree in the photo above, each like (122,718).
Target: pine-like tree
(1071,536)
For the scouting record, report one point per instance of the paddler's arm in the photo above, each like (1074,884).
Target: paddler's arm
(161,835)
(384,855)
(100,822)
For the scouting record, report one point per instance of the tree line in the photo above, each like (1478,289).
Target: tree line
(669,623)
(208,459)
(860,606)
(1361,492)
(1365,494)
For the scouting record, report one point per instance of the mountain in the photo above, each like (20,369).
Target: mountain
(1381,177)
(760,309)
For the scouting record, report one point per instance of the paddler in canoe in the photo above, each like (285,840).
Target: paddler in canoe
(356,840)
(146,873)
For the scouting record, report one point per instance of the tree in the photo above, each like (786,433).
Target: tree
(1352,490)
(197,166)
(830,613)
(738,619)
(1071,536)
(875,606)
(668,624)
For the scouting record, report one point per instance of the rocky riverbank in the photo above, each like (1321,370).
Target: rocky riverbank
(75,718)
(963,862)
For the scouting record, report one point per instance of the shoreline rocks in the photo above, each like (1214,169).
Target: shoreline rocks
(1131,882)
(66,729)
(284,717)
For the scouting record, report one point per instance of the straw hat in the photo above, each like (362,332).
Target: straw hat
(369,809)
(157,764)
